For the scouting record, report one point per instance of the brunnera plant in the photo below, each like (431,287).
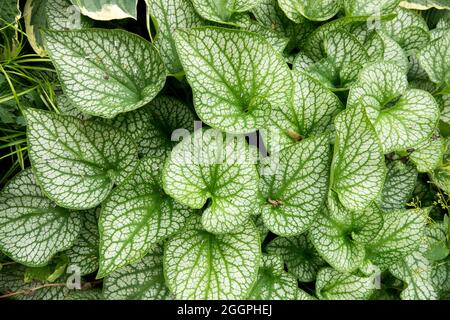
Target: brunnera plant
(246,149)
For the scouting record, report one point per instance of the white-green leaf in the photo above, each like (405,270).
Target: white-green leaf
(369,7)
(402,117)
(333,285)
(143,280)
(106,72)
(84,253)
(206,165)
(269,14)
(342,243)
(441,175)
(153,126)
(32,228)
(136,216)
(319,10)
(170,15)
(428,155)
(425,4)
(222,11)
(299,255)
(202,265)
(310,113)
(236,77)
(293,195)
(77,162)
(398,187)
(273,282)
(401,234)
(357,170)
(108,9)
(52,15)
(435,59)
(416,271)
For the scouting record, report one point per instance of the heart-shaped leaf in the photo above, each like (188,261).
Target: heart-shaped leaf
(428,155)
(401,234)
(299,254)
(310,113)
(357,170)
(435,59)
(273,282)
(342,242)
(319,10)
(143,280)
(106,72)
(170,15)
(236,77)
(32,228)
(206,165)
(108,9)
(157,127)
(333,285)
(77,162)
(136,216)
(402,117)
(202,265)
(416,271)
(291,198)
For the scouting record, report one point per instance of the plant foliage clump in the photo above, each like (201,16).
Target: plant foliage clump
(246,149)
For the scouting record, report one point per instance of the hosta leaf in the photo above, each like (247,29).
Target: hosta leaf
(333,285)
(222,11)
(106,72)
(357,171)
(77,162)
(273,282)
(299,254)
(402,117)
(398,187)
(169,16)
(342,243)
(84,253)
(136,216)
(428,155)
(53,15)
(107,9)
(313,10)
(202,265)
(205,166)
(416,271)
(291,198)
(154,126)
(369,7)
(236,77)
(32,228)
(143,280)
(401,234)
(435,59)
(310,113)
